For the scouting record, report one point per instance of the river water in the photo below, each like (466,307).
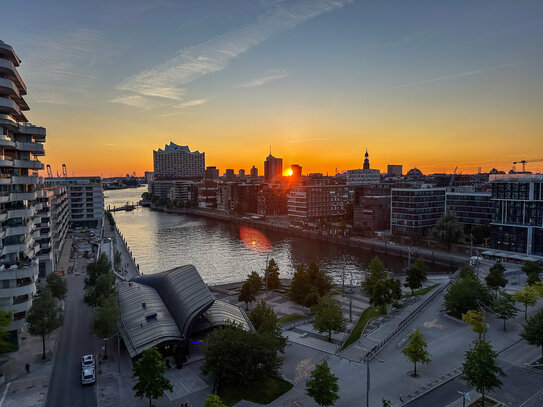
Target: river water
(224,252)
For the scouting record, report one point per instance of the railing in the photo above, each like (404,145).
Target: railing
(297,322)
(373,351)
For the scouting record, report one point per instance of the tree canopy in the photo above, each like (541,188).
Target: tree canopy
(255,281)
(417,350)
(5,320)
(416,274)
(149,370)
(527,296)
(247,294)
(376,272)
(480,368)
(496,278)
(329,316)
(102,289)
(532,332)
(233,355)
(271,275)
(385,292)
(322,385)
(504,306)
(57,285)
(448,230)
(214,401)
(309,284)
(104,321)
(532,270)
(44,316)
(463,294)
(476,320)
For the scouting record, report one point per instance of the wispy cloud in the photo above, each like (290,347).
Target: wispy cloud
(458,75)
(132,100)
(267,77)
(191,103)
(166,80)
(62,67)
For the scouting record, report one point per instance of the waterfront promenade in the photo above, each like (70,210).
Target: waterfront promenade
(128,267)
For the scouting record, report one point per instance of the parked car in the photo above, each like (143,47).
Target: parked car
(88,376)
(87,361)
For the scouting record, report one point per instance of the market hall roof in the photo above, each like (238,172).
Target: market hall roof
(163,307)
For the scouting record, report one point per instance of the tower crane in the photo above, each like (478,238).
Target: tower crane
(523,162)
(64,171)
(452,177)
(49,171)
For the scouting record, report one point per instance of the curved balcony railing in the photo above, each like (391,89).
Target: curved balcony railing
(34,164)
(10,70)
(33,147)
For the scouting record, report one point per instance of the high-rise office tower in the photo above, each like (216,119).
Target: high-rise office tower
(273,170)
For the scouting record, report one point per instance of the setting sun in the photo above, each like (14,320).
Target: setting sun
(289,172)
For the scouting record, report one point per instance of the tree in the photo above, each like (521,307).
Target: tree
(385,292)
(532,270)
(57,285)
(214,401)
(376,272)
(496,278)
(5,320)
(97,268)
(466,271)
(320,280)
(416,350)
(476,320)
(103,288)
(150,371)
(416,274)
(246,294)
(448,230)
(532,332)
(480,368)
(329,316)
(233,355)
(481,233)
(301,289)
(463,295)
(263,317)
(386,403)
(44,316)
(255,281)
(104,321)
(504,306)
(271,275)
(527,296)
(322,385)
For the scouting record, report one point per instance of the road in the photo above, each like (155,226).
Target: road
(65,388)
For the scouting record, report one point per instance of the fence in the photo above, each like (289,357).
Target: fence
(373,351)
(293,324)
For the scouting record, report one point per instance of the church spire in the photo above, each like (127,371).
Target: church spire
(366,161)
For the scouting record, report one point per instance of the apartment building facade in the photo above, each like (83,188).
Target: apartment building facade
(517,223)
(415,211)
(314,205)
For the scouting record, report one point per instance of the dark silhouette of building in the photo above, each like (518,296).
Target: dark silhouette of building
(273,170)
(366,165)
(254,172)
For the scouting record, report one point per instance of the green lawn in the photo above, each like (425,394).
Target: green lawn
(289,318)
(421,291)
(368,314)
(263,391)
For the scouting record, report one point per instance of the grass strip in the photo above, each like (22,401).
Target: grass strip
(288,318)
(367,315)
(422,291)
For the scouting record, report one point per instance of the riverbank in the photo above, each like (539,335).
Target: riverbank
(432,256)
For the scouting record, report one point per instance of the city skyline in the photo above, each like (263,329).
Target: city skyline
(432,86)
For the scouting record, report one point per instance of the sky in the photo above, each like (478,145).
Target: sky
(427,84)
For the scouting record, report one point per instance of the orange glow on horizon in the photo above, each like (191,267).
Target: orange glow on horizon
(254,240)
(289,172)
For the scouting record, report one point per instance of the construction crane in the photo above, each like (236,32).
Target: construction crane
(523,162)
(64,171)
(49,171)
(452,177)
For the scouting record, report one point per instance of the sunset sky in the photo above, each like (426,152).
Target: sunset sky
(431,84)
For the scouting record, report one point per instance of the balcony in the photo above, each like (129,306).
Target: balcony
(8,106)
(33,164)
(20,213)
(9,70)
(24,180)
(18,230)
(36,148)
(6,161)
(22,196)
(4,197)
(5,141)
(27,128)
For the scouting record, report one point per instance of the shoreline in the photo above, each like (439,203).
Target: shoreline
(432,256)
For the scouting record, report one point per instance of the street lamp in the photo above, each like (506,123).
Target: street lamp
(367,358)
